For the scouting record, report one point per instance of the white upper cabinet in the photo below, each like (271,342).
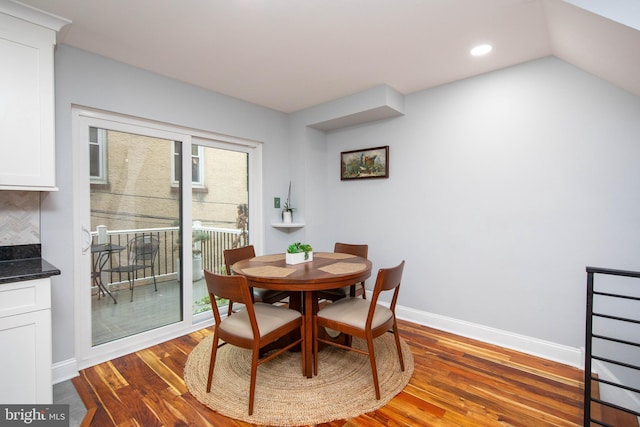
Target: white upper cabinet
(27,136)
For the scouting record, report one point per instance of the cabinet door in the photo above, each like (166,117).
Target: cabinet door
(26,106)
(25,340)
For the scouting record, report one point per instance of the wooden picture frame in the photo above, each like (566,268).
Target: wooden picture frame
(365,163)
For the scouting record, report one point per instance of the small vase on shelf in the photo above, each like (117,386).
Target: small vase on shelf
(287,217)
(287,212)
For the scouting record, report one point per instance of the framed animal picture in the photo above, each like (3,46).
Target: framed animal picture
(365,163)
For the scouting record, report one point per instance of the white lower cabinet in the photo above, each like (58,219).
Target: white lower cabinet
(25,342)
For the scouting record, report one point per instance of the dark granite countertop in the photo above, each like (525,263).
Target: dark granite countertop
(23,262)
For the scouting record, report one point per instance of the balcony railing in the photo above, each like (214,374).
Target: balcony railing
(167,264)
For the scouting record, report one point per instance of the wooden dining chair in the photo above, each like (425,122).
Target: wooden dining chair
(347,291)
(364,319)
(254,327)
(231,256)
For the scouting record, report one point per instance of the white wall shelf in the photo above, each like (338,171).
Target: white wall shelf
(277,224)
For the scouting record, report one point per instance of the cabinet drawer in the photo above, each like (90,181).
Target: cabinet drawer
(25,297)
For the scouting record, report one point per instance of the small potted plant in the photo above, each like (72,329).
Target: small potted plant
(287,212)
(298,252)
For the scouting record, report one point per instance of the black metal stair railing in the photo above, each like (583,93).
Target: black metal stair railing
(592,295)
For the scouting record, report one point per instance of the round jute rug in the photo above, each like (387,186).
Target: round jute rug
(342,389)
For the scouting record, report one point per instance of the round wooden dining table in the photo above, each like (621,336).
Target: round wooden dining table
(327,270)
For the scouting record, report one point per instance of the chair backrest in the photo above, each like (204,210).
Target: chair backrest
(143,249)
(387,279)
(232,287)
(231,256)
(347,248)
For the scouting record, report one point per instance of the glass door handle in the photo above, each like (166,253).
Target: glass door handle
(85,239)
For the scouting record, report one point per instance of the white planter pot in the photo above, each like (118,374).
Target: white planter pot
(197,272)
(287,217)
(297,258)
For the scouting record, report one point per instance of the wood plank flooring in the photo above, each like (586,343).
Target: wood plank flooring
(456,382)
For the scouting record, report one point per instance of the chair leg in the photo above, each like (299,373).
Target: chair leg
(254,371)
(374,369)
(302,345)
(212,359)
(315,346)
(353,290)
(397,337)
(230,311)
(131,283)
(153,273)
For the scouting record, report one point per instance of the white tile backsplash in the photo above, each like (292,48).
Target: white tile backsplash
(19,217)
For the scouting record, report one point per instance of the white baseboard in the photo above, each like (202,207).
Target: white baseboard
(65,370)
(536,347)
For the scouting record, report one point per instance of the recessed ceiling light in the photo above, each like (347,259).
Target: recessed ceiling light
(482,49)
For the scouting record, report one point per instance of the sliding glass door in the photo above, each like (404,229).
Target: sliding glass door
(157,206)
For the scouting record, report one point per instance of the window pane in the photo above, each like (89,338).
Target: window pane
(177,162)
(195,170)
(94,160)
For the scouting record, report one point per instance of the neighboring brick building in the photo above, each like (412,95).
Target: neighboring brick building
(137,188)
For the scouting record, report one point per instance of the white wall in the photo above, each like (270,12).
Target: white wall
(93,81)
(502,189)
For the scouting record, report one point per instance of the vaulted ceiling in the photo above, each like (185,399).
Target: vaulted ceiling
(292,54)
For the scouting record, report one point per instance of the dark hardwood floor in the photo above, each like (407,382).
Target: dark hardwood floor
(456,382)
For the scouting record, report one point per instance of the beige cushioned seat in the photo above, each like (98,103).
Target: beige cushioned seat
(269,318)
(354,311)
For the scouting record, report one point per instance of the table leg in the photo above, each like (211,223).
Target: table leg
(101,262)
